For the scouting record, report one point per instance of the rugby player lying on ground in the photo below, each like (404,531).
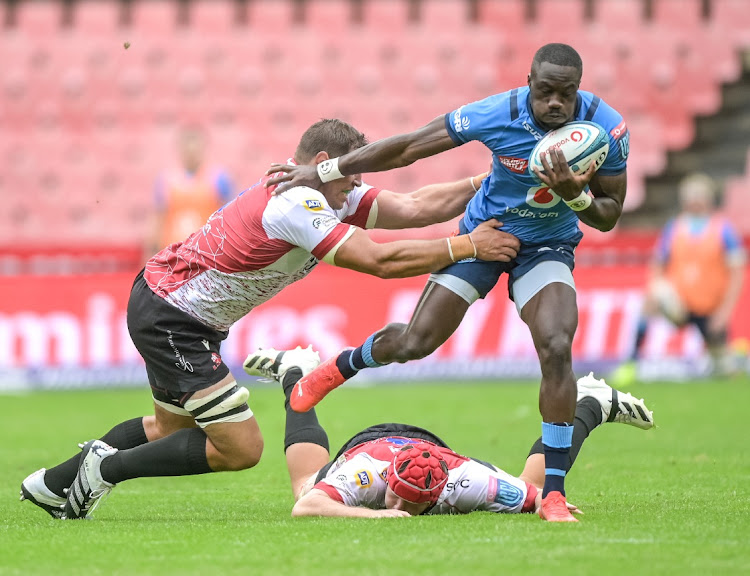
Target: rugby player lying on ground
(393,470)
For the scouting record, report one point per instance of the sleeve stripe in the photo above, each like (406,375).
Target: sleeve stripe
(361,216)
(330,490)
(331,241)
(514,104)
(592,109)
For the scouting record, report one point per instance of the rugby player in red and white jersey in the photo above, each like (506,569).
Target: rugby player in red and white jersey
(402,470)
(189,295)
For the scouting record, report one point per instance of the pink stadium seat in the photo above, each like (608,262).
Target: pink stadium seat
(94,17)
(678,14)
(385,15)
(443,15)
(150,17)
(735,202)
(565,17)
(618,14)
(730,14)
(505,15)
(328,15)
(213,17)
(271,15)
(39,17)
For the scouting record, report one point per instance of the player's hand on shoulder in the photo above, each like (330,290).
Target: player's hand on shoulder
(560,178)
(390,513)
(493,244)
(286,176)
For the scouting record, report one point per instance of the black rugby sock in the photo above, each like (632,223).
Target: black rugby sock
(300,426)
(182,453)
(128,434)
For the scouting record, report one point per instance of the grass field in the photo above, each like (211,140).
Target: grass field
(674,500)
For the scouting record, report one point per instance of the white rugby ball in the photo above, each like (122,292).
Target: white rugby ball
(582,142)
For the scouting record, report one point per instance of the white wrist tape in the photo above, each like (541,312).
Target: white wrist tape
(329,170)
(581,203)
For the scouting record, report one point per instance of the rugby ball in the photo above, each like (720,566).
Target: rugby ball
(582,143)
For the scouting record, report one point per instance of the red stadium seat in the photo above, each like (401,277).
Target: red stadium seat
(271,15)
(152,17)
(385,16)
(39,17)
(214,17)
(328,15)
(505,15)
(94,17)
(678,14)
(443,15)
(563,17)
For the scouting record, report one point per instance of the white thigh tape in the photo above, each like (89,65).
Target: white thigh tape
(227,404)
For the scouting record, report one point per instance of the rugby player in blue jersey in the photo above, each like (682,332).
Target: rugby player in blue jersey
(539,279)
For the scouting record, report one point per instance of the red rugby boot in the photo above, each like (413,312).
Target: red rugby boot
(555,509)
(311,389)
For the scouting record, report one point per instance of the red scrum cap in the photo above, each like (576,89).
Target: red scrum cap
(418,473)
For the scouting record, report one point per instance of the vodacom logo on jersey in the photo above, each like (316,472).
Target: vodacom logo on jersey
(541,197)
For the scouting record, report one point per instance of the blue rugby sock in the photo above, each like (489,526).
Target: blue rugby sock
(350,362)
(556,439)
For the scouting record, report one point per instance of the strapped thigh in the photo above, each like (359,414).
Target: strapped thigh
(227,404)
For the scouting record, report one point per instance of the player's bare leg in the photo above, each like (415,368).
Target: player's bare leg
(436,317)
(552,317)
(305,440)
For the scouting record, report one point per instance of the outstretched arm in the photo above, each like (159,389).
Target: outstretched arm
(404,258)
(318,503)
(386,154)
(428,205)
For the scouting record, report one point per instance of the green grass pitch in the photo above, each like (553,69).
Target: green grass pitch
(674,500)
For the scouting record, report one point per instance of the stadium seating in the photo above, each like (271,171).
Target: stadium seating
(73,100)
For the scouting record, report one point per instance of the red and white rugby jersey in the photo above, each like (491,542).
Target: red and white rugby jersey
(358,479)
(252,248)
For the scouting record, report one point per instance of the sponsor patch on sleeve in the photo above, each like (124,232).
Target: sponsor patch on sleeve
(621,134)
(503,493)
(313,205)
(363,478)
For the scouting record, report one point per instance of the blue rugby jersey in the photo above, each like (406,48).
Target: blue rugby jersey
(504,124)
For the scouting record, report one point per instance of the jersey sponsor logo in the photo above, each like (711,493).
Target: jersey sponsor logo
(517,165)
(622,135)
(460,123)
(313,205)
(576,136)
(504,493)
(531,130)
(400,441)
(324,222)
(384,474)
(451,486)
(540,197)
(363,479)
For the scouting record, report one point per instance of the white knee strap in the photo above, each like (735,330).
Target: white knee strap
(227,404)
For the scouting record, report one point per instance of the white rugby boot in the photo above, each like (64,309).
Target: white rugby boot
(616,406)
(89,488)
(35,491)
(274,364)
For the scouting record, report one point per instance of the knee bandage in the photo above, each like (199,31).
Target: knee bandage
(227,404)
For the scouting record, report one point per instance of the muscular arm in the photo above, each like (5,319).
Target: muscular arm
(387,154)
(609,196)
(404,258)
(428,205)
(318,503)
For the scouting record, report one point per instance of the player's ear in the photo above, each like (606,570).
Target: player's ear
(528,79)
(321,156)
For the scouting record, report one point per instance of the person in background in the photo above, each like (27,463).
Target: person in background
(696,275)
(184,198)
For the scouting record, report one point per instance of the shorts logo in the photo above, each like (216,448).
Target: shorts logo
(216,359)
(516,165)
(363,479)
(181,363)
(460,123)
(313,205)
